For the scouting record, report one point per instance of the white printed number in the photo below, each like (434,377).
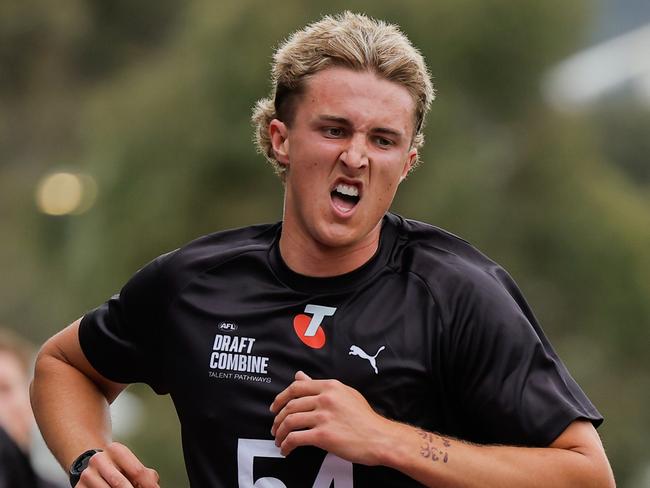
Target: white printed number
(334,469)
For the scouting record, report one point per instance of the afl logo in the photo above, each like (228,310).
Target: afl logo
(227,326)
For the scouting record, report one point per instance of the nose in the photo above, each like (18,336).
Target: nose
(355,155)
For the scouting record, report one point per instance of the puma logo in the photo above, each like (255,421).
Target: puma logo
(357,351)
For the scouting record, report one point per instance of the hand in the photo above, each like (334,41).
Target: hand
(117,467)
(332,416)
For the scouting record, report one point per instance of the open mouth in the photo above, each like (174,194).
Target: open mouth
(345,197)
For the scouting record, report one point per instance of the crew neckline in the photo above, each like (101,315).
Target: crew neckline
(314,284)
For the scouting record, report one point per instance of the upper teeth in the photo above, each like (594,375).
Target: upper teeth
(349,190)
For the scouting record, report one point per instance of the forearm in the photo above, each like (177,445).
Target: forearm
(70,399)
(71,412)
(437,461)
(336,418)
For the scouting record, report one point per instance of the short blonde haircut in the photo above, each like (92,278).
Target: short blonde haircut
(349,40)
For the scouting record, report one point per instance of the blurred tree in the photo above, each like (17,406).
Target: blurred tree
(622,128)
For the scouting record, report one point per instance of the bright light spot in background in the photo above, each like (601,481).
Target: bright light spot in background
(66,193)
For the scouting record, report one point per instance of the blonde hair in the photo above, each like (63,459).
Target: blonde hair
(349,40)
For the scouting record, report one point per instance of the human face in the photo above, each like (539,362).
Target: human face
(346,151)
(15,411)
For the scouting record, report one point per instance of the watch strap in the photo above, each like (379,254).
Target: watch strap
(79,464)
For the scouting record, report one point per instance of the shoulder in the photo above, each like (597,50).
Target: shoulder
(212,249)
(169,273)
(458,275)
(438,256)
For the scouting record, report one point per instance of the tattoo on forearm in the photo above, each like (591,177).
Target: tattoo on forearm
(434,447)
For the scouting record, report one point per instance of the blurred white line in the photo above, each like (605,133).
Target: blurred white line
(590,74)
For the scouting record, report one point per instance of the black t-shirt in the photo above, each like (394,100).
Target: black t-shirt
(430,331)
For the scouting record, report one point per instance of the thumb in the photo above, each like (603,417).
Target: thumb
(301,376)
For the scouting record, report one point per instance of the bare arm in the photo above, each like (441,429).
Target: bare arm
(575,459)
(71,405)
(337,418)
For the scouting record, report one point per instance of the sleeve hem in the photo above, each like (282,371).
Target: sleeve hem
(558,425)
(103,359)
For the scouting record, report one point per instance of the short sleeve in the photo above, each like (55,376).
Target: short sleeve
(511,385)
(123,338)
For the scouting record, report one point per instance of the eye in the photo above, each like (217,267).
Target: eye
(334,132)
(383,142)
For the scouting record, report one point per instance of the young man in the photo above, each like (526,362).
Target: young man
(344,346)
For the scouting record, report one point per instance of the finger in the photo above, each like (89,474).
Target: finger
(136,472)
(300,375)
(91,478)
(304,404)
(112,475)
(297,439)
(297,389)
(295,422)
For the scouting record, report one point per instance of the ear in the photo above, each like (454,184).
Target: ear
(411,158)
(279,141)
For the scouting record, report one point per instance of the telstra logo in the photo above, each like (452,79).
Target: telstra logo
(308,328)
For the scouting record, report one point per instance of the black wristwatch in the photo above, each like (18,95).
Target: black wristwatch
(80,464)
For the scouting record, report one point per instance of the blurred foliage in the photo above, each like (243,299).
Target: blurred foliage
(153,99)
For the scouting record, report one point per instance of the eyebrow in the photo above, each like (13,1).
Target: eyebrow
(344,121)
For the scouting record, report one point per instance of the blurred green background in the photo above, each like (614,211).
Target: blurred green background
(149,102)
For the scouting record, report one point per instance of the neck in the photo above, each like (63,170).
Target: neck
(311,258)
